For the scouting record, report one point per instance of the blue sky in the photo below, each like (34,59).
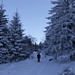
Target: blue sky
(32,15)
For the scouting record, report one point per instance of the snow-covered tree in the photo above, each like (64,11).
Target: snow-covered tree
(40,46)
(4,36)
(36,47)
(28,45)
(16,31)
(60,34)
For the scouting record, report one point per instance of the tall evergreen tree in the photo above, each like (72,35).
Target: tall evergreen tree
(4,35)
(60,34)
(16,30)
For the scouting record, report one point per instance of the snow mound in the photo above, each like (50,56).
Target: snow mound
(63,59)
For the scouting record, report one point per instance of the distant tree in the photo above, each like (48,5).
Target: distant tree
(4,37)
(28,45)
(28,40)
(36,47)
(40,45)
(33,39)
(60,34)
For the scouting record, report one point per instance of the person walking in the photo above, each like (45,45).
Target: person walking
(38,57)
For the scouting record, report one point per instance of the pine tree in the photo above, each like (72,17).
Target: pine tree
(28,45)
(36,47)
(60,34)
(4,37)
(16,30)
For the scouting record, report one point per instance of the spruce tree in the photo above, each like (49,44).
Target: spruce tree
(16,30)
(60,34)
(4,37)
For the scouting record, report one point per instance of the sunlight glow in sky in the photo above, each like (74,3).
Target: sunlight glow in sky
(32,15)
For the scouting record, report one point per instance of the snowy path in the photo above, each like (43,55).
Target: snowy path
(31,67)
(36,70)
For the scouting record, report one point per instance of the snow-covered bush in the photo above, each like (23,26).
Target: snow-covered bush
(63,59)
(34,55)
(67,71)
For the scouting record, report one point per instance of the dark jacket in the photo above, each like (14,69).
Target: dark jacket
(38,56)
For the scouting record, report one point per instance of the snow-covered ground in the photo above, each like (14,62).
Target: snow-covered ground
(32,67)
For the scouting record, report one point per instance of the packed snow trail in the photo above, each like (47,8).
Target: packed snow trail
(36,70)
(32,67)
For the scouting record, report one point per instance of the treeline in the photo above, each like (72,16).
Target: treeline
(14,45)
